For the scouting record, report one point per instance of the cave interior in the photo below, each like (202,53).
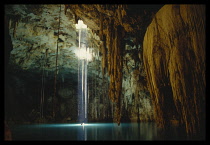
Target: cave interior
(141,63)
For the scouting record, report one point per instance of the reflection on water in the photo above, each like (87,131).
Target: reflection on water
(95,131)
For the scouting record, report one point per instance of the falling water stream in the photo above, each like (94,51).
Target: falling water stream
(83,56)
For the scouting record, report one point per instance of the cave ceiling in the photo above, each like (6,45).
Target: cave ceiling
(34,32)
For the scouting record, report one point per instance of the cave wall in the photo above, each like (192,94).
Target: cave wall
(174,60)
(32,34)
(136,99)
(116,76)
(120,28)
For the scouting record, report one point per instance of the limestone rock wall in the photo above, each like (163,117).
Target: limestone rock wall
(116,25)
(116,77)
(174,59)
(136,99)
(34,34)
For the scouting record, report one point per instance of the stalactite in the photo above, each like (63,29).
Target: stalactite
(14,21)
(101,27)
(115,63)
(75,18)
(10,23)
(66,7)
(108,42)
(104,56)
(123,11)
(119,14)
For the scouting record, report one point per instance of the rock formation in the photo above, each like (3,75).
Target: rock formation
(174,60)
(116,25)
(112,35)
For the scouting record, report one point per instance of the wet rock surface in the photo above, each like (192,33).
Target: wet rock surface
(174,59)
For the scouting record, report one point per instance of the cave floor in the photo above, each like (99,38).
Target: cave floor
(144,131)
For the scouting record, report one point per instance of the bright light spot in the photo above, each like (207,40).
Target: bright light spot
(70,125)
(83,54)
(81,25)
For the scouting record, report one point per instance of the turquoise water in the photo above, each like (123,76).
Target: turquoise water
(95,131)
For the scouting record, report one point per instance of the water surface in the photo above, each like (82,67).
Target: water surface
(95,131)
